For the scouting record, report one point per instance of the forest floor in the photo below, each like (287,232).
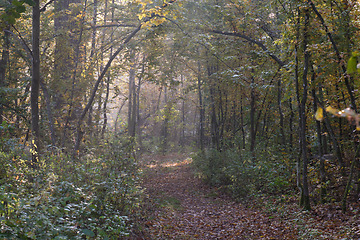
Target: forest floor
(180,206)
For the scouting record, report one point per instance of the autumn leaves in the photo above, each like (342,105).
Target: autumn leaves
(354,119)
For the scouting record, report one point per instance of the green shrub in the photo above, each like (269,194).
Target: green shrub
(240,174)
(94,197)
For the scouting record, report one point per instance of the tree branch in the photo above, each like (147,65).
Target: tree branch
(249,39)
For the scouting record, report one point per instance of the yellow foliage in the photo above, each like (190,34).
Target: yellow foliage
(332,110)
(347,113)
(319,115)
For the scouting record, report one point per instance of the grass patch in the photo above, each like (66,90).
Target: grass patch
(171,203)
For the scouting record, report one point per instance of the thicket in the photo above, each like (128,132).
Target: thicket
(273,172)
(96,195)
(239,174)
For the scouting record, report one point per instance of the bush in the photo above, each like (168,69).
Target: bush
(94,197)
(240,174)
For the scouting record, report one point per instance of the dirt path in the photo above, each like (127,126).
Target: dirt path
(181,207)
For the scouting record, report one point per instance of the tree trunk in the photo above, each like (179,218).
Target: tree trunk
(252,117)
(132,98)
(306,196)
(214,123)
(282,137)
(3,65)
(165,126)
(297,89)
(118,115)
(108,80)
(201,110)
(35,81)
(355,161)
(242,122)
(139,122)
(49,113)
(291,124)
(72,100)
(322,173)
(182,138)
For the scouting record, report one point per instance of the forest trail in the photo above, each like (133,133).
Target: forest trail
(180,206)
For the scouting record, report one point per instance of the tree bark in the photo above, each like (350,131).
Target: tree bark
(252,116)
(306,203)
(282,137)
(297,90)
(291,124)
(132,98)
(322,173)
(3,65)
(35,81)
(182,134)
(49,113)
(242,123)
(201,110)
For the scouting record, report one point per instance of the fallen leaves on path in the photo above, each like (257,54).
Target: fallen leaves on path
(185,208)
(180,206)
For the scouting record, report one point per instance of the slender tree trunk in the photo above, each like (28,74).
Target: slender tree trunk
(291,124)
(303,113)
(322,173)
(166,122)
(242,122)
(3,66)
(297,89)
(64,64)
(182,139)
(355,162)
(108,77)
(201,110)
(132,98)
(35,82)
(73,83)
(118,115)
(214,123)
(252,116)
(49,113)
(282,137)
(138,117)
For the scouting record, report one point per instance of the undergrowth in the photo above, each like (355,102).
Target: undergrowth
(95,196)
(240,174)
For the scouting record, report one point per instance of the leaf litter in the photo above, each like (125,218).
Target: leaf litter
(180,206)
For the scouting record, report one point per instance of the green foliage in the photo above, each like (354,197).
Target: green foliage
(11,10)
(352,65)
(64,198)
(240,175)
